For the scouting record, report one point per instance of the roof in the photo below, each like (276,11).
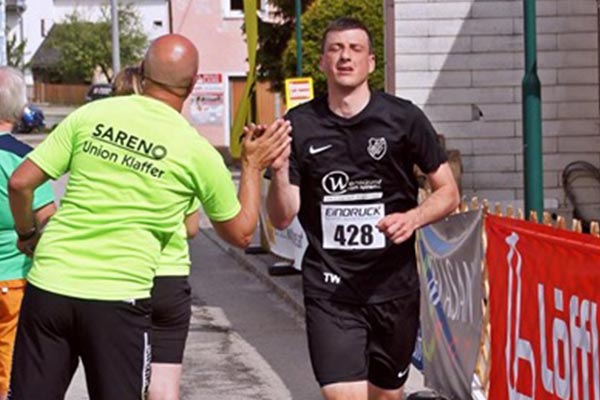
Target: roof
(45,56)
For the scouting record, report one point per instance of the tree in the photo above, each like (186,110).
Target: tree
(15,52)
(273,38)
(314,22)
(83,44)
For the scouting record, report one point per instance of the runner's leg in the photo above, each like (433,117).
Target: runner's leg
(394,325)
(377,393)
(337,341)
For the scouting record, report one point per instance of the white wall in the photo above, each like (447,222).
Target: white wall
(457,57)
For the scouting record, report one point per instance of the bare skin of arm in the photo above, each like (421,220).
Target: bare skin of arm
(283,198)
(21,185)
(398,227)
(192,224)
(260,147)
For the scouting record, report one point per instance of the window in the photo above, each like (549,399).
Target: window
(237,5)
(235,8)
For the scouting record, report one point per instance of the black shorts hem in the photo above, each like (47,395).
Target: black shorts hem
(389,385)
(347,379)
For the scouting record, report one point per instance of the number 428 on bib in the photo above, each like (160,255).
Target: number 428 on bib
(352,227)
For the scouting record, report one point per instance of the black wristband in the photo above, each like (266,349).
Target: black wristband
(28,235)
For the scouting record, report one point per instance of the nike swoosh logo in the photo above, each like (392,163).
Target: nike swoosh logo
(317,150)
(402,373)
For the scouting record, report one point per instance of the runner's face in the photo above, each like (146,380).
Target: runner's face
(346,59)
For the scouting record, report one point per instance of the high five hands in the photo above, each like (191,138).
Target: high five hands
(264,146)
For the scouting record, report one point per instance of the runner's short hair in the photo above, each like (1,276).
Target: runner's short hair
(345,24)
(13,94)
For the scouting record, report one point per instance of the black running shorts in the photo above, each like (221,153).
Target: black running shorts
(171,312)
(111,337)
(371,342)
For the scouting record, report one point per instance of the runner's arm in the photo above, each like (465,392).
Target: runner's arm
(260,147)
(283,198)
(398,227)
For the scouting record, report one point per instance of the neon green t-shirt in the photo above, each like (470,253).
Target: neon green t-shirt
(13,263)
(135,164)
(175,257)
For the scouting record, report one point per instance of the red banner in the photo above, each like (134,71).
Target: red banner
(544,296)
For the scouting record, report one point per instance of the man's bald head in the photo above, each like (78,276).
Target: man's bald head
(171,60)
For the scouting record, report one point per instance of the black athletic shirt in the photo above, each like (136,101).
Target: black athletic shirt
(351,172)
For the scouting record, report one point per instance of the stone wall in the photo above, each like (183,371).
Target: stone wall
(462,62)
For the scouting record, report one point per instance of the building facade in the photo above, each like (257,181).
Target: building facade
(216,28)
(462,62)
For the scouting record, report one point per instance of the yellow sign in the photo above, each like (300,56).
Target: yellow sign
(298,91)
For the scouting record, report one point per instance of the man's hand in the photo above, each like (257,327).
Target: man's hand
(27,247)
(398,227)
(262,145)
(283,161)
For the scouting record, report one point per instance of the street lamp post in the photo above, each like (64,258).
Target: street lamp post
(532,117)
(116,51)
(298,38)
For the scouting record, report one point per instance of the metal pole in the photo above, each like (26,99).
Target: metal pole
(116,51)
(298,38)
(3,60)
(532,117)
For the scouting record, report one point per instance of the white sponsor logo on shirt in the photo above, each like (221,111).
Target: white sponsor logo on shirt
(316,150)
(377,148)
(335,182)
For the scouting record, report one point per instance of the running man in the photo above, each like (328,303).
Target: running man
(135,167)
(349,177)
(171,293)
(14,265)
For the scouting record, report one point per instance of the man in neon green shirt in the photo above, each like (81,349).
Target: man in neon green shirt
(171,293)
(135,165)
(13,264)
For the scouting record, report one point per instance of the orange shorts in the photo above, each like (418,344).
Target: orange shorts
(11,294)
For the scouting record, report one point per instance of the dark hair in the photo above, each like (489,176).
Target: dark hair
(345,24)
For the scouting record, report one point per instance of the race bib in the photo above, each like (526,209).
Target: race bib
(352,227)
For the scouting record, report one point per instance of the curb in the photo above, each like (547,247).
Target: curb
(258,266)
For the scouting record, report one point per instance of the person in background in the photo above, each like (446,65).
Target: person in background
(127,81)
(14,265)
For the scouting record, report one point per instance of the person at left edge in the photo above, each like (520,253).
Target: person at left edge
(13,264)
(135,165)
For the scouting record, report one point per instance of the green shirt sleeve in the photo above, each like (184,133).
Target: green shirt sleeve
(213,184)
(54,154)
(194,205)
(42,196)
